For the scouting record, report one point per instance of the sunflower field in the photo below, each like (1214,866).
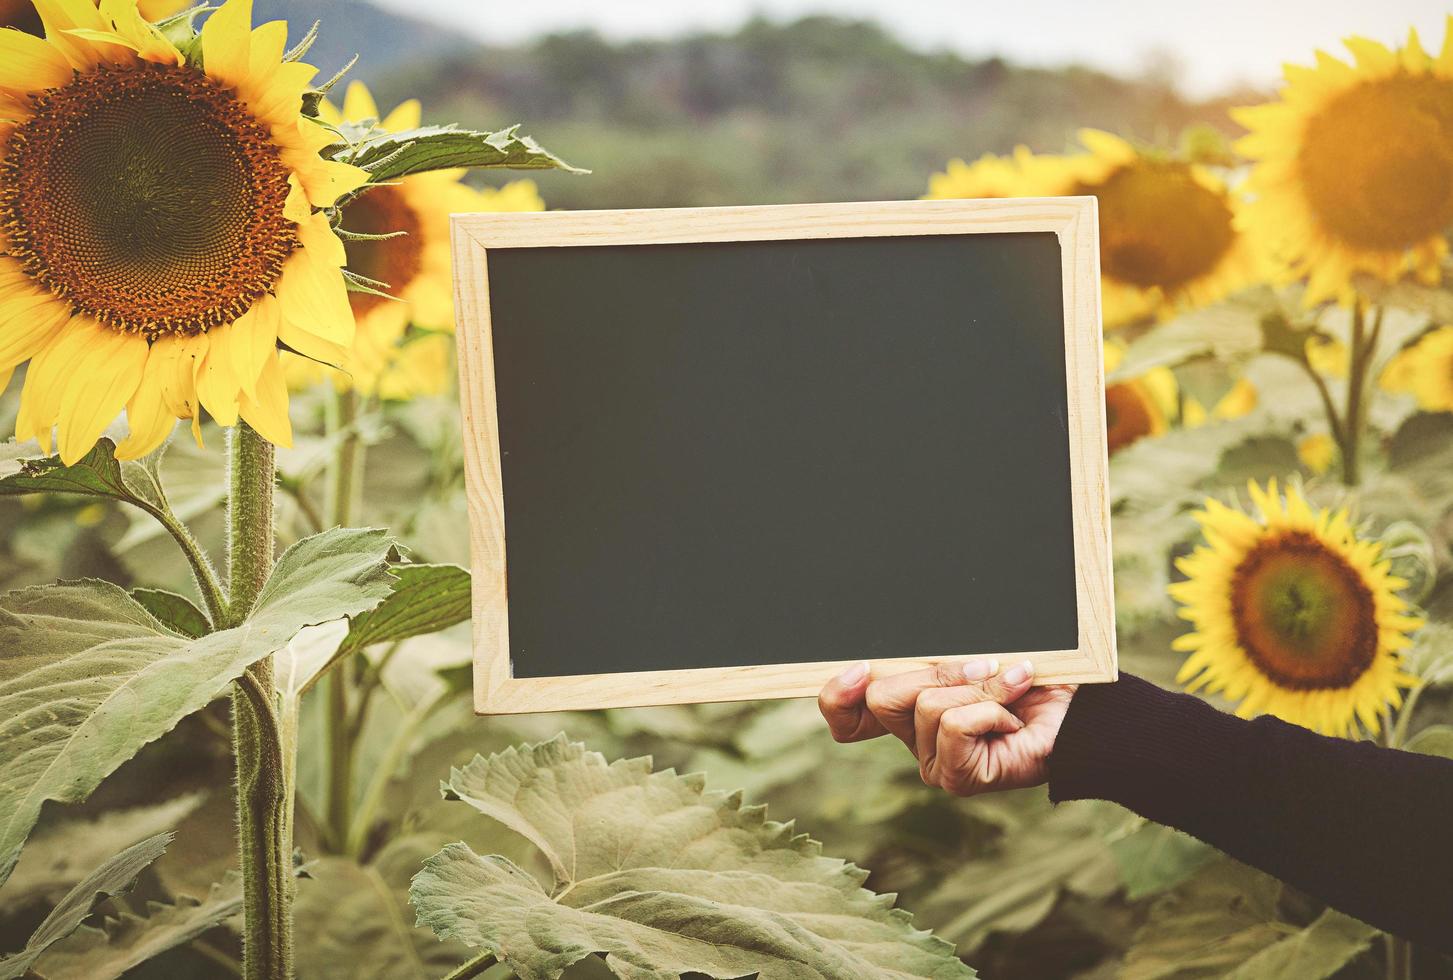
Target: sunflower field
(235,727)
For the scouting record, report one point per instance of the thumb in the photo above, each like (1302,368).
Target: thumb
(843,703)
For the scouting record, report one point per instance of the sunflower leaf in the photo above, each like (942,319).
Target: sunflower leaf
(90,676)
(124,943)
(97,474)
(447,147)
(660,876)
(111,878)
(175,611)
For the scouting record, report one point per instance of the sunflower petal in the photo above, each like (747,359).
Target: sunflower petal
(28,64)
(100,386)
(268,412)
(358,104)
(227,42)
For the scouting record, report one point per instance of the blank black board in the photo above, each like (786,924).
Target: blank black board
(771,452)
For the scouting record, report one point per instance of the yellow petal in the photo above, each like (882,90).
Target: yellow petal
(101,384)
(60,16)
(28,64)
(310,345)
(269,42)
(217,385)
(322,243)
(268,412)
(253,342)
(148,417)
(314,298)
(45,380)
(406,115)
(27,323)
(5,376)
(227,42)
(358,104)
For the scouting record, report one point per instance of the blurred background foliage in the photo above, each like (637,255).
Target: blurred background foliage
(813,110)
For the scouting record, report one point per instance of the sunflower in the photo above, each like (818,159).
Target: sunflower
(418,368)
(159,223)
(1425,370)
(415,265)
(1354,167)
(1166,229)
(1317,452)
(1138,407)
(1294,615)
(1238,401)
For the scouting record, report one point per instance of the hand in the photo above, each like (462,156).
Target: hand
(971,728)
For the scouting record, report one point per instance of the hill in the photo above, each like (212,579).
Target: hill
(813,110)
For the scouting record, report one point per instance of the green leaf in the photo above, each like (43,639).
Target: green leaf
(89,676)
(389,156)
(97,474)
(1219,920)
(358,922)
(660,876)
(174,610)
(1433,740)
(1154,858)
(111,878)
(1227,331)
(1318,951)
(124,943)
(425,599)
(62,852)
(1014,888)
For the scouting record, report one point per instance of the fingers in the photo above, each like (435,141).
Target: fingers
(1004,688)
(892,700)
(963,764)
(843,705)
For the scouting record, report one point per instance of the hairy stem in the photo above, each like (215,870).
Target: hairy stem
(344,470)
(473,968)
(208,584)
(264,789)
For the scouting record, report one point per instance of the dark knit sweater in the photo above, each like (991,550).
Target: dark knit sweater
(1365,829)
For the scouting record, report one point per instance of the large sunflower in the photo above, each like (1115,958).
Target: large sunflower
(1166,229)
(1354,167)
(160,231)
(1425,370)
(1023,174)
(415,265)
(1294,615)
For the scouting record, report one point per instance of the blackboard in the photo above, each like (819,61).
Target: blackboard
(721,465)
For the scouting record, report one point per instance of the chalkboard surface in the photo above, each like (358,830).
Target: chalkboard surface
(790,451)
(723,453)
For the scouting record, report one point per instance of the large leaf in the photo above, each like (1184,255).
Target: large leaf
(358,922)
(111,878)
(389,156)
(1154,858)
(126,942)
(1226,922)
(97,474)
(62,853)
(88,676)
(1014,888)
(660,876)
(1228,331)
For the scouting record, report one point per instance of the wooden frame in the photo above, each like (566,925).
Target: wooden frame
(1072,219)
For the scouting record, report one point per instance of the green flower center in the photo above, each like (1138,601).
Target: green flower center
(1303,615)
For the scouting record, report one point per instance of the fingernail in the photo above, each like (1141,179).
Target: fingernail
(1019,673)
(980,670)
(853,674)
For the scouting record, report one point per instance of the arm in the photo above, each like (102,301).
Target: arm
(1363,828)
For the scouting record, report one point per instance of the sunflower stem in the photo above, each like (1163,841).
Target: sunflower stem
(1364,346)
(472,968)
(344,474)
(264,786)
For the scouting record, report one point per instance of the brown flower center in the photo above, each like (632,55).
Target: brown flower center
(395,261)
(1377,162)
(1303,615)
(1128,415)
(148,197)
(1158,226)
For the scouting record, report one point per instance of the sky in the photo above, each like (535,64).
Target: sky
(1218,44)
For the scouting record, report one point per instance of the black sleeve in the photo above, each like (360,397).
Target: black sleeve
(1365,829)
